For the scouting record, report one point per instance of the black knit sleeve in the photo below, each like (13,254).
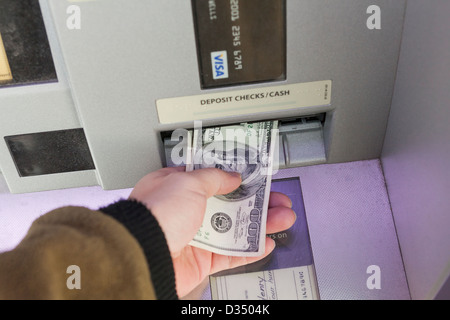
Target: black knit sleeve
(145,228)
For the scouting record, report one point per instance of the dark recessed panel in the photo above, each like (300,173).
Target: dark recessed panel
(50,152)
(25,42)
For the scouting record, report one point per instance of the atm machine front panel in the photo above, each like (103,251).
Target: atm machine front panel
(96,100)
(127,75)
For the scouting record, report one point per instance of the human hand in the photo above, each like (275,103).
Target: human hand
(177,199)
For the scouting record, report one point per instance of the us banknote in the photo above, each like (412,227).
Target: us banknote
(235,223)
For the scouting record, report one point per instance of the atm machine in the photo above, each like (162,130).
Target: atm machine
(91,92)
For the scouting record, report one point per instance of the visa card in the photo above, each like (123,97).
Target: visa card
(240,41)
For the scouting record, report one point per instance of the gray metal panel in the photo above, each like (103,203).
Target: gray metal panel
(351,228)
(127,56)
(39,108)
(416,151)
(330,39)
(124,58)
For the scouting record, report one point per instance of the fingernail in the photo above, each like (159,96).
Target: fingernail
(235,174)
(274,244)
(270,239)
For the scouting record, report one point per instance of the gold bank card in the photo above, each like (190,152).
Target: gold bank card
(5,70)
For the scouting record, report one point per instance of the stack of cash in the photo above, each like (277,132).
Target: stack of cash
(235,223)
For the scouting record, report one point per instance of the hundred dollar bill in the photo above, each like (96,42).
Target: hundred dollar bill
(235,223)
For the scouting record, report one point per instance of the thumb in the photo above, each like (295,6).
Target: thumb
(215,181)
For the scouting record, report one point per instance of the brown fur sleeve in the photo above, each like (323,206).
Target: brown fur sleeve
(111,262)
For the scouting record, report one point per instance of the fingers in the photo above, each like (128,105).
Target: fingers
(221,262)
(210,181)
(278,199)
(280,215)
(279,219)
(167,170)
(215,181)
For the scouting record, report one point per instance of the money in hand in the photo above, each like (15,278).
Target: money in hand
(235,224)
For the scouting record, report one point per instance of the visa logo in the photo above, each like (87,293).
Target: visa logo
(219,62)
